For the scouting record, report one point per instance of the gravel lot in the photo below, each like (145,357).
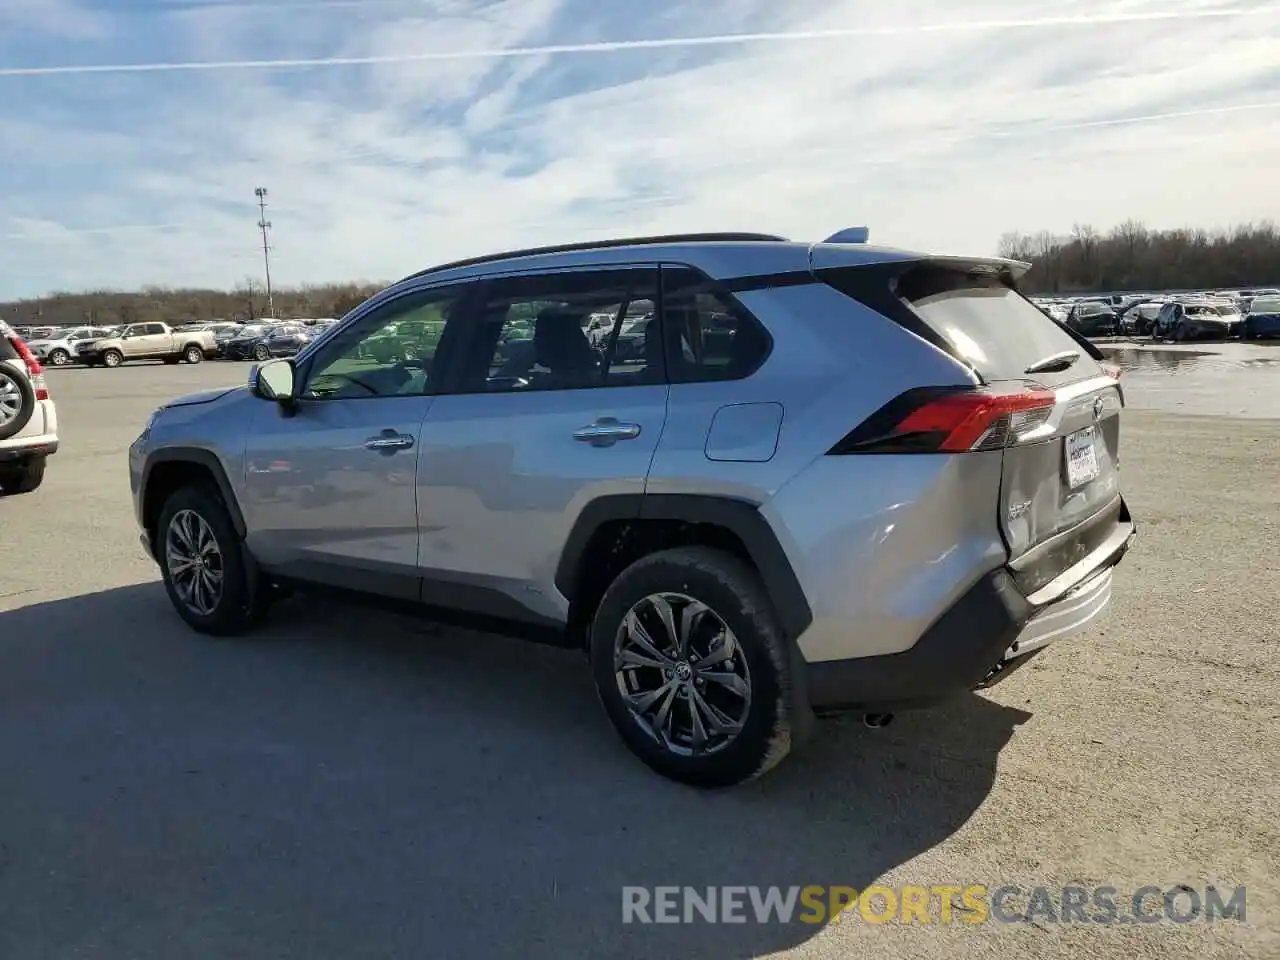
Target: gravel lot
(347,784)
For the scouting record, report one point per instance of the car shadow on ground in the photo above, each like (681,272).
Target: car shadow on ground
(348,783)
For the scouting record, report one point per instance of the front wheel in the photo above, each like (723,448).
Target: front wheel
(59,358)
(692,668)
(193,355)
(112,358)
(260,352)
(202,565)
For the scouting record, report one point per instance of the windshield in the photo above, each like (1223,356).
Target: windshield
(1265,305)
(253,331)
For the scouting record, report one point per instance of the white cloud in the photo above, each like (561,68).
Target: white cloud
(936,138)
(66,19)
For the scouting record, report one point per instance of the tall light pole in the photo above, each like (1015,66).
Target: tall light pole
(264,225)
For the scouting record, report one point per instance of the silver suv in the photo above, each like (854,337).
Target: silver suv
(829,477)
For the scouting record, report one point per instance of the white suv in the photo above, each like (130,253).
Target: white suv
(28,421)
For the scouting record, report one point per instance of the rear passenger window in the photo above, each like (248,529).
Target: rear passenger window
(710,336)
(566,331)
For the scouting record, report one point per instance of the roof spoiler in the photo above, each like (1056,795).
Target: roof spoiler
(850,235)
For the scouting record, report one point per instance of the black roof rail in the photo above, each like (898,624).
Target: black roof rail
(605,245)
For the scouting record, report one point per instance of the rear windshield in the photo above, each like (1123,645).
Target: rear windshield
(997,331)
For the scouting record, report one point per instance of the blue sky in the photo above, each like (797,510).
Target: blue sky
(940,126)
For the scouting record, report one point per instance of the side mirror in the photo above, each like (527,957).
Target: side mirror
(273,380)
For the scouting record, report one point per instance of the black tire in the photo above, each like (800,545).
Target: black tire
(59,358)
(236,609)
(193,354)
(112,358)
(13,385)
(261,353)
(734,592)
(25,478)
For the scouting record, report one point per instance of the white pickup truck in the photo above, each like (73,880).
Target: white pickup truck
(148,341)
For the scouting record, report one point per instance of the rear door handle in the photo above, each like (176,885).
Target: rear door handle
(606,431)
(389,441)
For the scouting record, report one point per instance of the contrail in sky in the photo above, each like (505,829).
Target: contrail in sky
(613,46)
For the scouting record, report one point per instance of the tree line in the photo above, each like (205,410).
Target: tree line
(1129,257)
(1132,257)
(246,302)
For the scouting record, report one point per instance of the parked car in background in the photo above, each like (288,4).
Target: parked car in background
(1191,320)
(147,341)
(223,335)
(1093,318)
(1263,319)
(631,341)
(285,340)
(60,349)
(1138,319)
(407,340)
(940,501)
(28,420)
(243,344)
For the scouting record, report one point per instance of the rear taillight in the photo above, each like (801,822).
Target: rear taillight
(950,420)
(34,369)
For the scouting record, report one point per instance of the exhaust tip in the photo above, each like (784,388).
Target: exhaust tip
(877,721)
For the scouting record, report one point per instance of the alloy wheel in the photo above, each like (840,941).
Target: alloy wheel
(194,562)
(681,674)
(10,400)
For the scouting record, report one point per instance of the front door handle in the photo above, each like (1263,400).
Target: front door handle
(606,431)
(389,441)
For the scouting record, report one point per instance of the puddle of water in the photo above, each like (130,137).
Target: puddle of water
(1229,379)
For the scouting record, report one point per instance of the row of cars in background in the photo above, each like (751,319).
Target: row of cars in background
(1206,315)
(28,419)
(185,343)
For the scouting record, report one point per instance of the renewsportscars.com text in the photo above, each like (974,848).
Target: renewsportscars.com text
(942,903)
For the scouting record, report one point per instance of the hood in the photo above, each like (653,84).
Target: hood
(204,396)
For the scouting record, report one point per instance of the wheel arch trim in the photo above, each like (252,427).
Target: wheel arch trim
(741,517)
(203,458)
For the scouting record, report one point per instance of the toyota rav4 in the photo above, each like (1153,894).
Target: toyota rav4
(830,477)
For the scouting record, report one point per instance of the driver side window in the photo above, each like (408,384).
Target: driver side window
(387,353)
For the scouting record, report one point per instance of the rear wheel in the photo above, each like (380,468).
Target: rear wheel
(692,668)
(17,402)
(204,570)
(23,479)
(194,354)
(112,358)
